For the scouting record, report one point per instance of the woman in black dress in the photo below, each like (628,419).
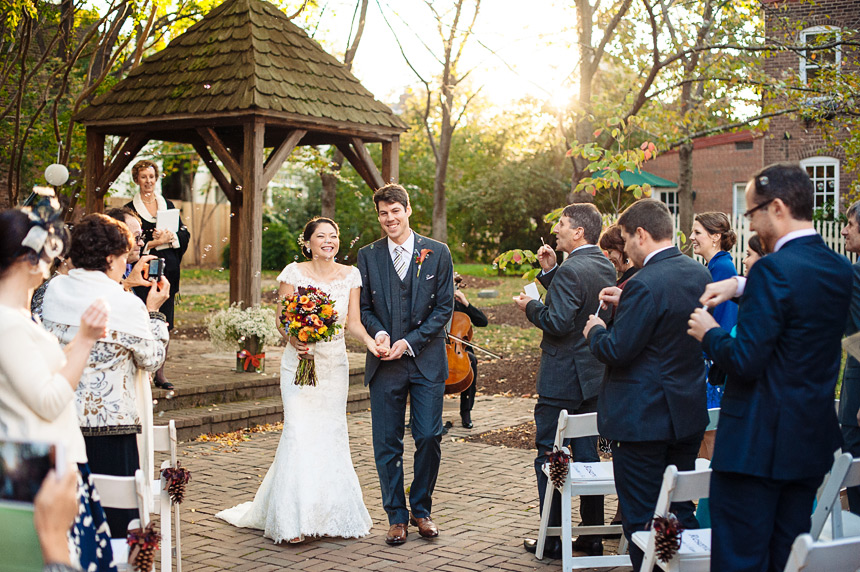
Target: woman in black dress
(162,243)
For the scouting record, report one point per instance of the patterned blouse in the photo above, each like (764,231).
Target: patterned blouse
(105,397)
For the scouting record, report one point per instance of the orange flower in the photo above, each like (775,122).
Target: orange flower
(303,300)
(303,334)
(326,311)
(314,319)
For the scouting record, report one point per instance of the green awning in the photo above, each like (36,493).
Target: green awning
(640,177)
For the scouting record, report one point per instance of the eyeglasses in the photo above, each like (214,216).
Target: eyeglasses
(750,212)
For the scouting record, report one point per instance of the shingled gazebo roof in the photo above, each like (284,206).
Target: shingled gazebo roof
(244,55)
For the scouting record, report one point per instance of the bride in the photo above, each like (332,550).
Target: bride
(311,488)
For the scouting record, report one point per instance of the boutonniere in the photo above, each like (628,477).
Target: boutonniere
(419,258)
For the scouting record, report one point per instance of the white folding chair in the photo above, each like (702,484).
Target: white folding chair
(807,555)
(713,418)
(164,440)
(128,493)
(582,479)
(845,472)
(695,552)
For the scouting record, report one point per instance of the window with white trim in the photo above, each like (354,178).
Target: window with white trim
(739,199)
(811,61)
(671,200)
(824,172)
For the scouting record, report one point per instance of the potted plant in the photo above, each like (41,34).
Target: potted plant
(248,329)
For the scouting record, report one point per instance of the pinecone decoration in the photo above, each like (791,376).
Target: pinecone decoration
(142,545)
(175,480)
(668,536)
(558,466)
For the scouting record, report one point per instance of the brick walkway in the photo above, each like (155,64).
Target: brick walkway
(485,503)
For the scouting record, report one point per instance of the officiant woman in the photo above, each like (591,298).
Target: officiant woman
(162,243)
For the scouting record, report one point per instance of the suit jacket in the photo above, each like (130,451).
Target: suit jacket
(849,400)
(777,418)
(654,389)
(432,303)
(568,370)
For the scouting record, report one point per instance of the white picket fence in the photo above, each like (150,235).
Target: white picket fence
(829,231)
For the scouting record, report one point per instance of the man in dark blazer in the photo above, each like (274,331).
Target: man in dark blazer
(777,430)
(652,400)
(849,401)
(569,376)
(407,298)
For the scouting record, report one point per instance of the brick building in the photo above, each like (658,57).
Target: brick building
(795,139)
(722,164)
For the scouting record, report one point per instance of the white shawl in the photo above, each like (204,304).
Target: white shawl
(65,300)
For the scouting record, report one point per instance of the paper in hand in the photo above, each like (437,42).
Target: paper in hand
(531,291)
(851,344)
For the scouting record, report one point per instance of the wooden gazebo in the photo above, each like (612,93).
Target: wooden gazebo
(242,80)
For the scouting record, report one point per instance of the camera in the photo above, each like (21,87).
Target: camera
(156,269)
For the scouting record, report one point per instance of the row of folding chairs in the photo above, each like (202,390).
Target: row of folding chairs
(130,493)
(834,533)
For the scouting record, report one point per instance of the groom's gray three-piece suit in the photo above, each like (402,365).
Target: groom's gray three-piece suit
(416,309)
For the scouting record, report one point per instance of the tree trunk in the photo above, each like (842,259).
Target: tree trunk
(328,196)
(440,201)
(685,190)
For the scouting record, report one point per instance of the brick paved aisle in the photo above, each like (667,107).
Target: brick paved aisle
(485,503)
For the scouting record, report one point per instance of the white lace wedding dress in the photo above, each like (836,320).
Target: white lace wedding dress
(311,488)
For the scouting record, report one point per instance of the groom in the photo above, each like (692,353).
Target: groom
(407,298)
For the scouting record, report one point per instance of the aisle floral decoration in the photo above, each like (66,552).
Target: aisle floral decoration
(309,315)
(251,329)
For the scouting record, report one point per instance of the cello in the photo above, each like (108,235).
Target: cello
(460,375)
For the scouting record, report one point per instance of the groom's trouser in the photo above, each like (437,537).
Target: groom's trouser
(391,385)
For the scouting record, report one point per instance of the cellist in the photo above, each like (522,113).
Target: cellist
(477,317)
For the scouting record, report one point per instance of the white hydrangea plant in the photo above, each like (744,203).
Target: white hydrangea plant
(229,327)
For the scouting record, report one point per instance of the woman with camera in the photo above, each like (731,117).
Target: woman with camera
(161,242)
(113,398)
(38,379)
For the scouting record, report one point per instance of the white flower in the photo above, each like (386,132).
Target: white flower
(228,327)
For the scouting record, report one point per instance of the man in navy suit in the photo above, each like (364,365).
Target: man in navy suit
(777,430)
(652,403)
(849,401)
(407,298)
(569,376)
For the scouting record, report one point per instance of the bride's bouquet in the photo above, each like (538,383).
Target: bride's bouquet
(309,315)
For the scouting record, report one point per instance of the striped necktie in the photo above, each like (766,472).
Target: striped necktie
(400,261)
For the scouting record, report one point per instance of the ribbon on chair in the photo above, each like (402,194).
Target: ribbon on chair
(253,359)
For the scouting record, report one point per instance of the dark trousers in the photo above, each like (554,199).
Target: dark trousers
(392,384)
(851,436)
(467,396)
(583,450)
(114,455)
(755,520)
(639,468)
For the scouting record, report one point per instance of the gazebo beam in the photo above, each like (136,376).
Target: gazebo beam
(279,155)
(127,153)
(250,243)
(95,169)
(367,160)
(391,161)
(217,174)
(214,142)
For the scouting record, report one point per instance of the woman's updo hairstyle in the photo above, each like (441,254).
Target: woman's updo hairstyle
(96,237)
(14,226)
(718,223)
(310,228)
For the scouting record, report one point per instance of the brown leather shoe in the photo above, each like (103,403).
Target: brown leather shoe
(426,527)
(397,534)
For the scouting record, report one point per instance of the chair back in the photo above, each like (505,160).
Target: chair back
(828,497)
(713,418)
(679,486)
(164,439)
(807,555)
(572,426)
(123,492)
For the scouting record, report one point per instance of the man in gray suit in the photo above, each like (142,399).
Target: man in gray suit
(569,375)
(849,401)
(407,298)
